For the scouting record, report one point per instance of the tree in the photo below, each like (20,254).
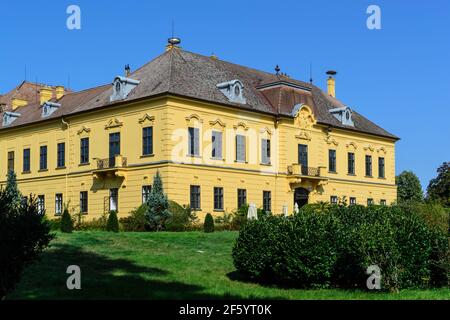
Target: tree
(409,188)
(24,234)
(66,221)
(113,223)
(208,226)
(439,187)
(158,206)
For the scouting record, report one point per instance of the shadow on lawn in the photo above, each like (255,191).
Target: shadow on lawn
(101,278)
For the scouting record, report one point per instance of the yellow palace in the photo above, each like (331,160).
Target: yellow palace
(220,134)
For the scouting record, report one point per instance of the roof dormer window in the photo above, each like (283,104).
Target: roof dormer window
(9,118)
(233,90)
(344,115)
(122,87)
(48,108)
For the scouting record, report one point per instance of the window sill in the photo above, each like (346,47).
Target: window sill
(147,156)
(217,159)
(43,170)
(59,215)
(266,164)
(351,174)
(240,161)
(61,168)
(371,177)
(219,210)
(26,172)
(193,156)
(333,172)
(197,210)
(84,164)
(382,178)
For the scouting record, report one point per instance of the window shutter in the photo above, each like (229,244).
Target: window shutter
(196,142)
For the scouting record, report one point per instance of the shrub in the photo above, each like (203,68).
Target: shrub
(136,222)
(181,217)
(24,233)
(66,222)
(96,224)
(157,206)
(54,224)
(208,226)
(335,244)
(113,223)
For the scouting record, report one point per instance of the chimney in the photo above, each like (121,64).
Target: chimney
(127,70)
(331,83)
(16,103)
(46,93)
(60,92)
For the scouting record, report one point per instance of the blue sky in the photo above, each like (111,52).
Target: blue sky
(399,76)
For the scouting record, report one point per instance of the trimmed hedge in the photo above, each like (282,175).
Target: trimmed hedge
(326,246)
(113,223)
(208,226)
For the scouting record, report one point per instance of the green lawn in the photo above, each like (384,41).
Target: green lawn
(161,266)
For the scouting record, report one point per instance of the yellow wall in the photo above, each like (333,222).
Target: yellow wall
(170,118)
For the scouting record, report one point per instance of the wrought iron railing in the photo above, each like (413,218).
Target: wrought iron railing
(310,171)
(110,163)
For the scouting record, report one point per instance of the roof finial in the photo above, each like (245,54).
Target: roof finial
(277,70)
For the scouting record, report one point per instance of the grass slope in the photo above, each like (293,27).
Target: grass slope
(161,266)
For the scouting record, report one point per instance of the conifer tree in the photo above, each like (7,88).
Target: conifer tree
(158,206)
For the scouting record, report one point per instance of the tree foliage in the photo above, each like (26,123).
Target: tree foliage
(208,226)
(66,221)
(24,233)
(157,206)
(409,188)
(439,187)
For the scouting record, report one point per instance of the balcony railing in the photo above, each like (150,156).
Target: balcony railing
(297,169)
(111,163)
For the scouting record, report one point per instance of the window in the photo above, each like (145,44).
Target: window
(382,202)
(369,201)
(242,198)
(351,163)
(84,151)
(265,151)
(352,201)
(11,161)
(114,199)
(146,190)
(218,198)
(334,200)
(195,197)
(147,141)
(267,201)
(84,202)
(332,160)
(61,161)
(41,204)
(26,160)
(381,173)
(240,148)
(114,148)
(43,158)
(194,142)
(368,166)
(58,204)
(216,145)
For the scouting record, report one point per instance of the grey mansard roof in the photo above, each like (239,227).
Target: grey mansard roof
(195,76)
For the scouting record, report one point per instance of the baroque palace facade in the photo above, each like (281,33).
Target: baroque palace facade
(221,135)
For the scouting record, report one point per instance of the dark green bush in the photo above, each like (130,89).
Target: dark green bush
(182,218)
(136,221)
(208,226)
(113,223)
(335,244)
(66,222)
(54,224)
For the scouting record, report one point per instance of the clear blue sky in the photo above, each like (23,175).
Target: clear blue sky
(399,76)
